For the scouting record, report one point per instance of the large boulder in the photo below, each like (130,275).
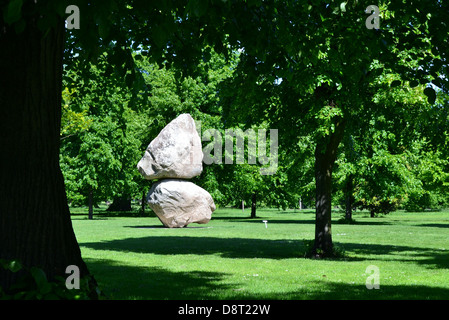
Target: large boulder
(179,202)
(175,153)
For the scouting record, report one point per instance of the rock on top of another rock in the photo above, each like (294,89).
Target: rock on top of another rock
(175,153)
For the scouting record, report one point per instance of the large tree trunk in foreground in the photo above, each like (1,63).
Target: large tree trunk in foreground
(35,224)
(325,156)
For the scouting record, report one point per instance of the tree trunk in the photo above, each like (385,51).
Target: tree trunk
(142,205)
(325,156)
(349,198)
(253,204)
(122,204)
(35,224)
(91,204)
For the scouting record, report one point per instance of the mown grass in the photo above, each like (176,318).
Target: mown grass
(235,257)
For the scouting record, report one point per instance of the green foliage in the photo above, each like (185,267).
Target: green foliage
(430,168)
(292,75)
(387,154)
(13,11)
(101,157)
(325,117)
(382,182)
(414,179)
(72,122)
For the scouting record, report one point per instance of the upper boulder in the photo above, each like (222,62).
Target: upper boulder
(175,153)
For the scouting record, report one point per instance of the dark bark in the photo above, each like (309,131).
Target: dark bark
(91,203)
(35,224)
(325,156)
(122,204)
(349,199)
(142,205)
(253,204)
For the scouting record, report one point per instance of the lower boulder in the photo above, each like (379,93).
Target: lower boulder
(178,203)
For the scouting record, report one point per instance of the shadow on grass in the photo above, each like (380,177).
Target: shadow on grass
(139,282)
(310,221)
(225,247)
(155,283)
(302,219)
(435,225)
(269,249)
(345,291)
(432,258)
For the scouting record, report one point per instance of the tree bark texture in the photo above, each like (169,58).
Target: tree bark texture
(253,204)
(35,224)
(142,204)
(91,204)
(348,197)
(122,204)
(325,156)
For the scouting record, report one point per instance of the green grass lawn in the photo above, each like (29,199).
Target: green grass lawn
(234,257)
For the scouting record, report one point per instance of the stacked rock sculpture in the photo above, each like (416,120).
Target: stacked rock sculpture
(172,157)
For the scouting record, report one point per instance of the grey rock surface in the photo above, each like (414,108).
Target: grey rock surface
(178,203)
(175,153)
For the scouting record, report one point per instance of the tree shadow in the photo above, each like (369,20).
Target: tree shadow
(164,227)
(362,223)
(431,257)
(345,291)
(435,225)
(225,247)
(309,220)
(147,227)
(280,221)
(120,282)
(234,218)
(269,249)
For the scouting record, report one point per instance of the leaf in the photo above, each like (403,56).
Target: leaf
(197,7)
(39,276)
(11,265)
(159,37)
(103,30)
(129,79)
(414,83)
(13,12)
(431,95)
(343,7)
(20,26)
